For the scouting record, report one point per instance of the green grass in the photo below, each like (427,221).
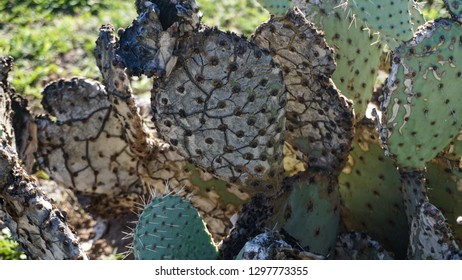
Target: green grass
(8,249)
(55,39)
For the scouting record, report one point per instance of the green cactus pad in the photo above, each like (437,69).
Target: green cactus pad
(357,51)
(312,212)
(417,17)
(454,150)
(431,237)
(359,246)
(370,189)
(455,9)
(319,118)
(170,228)
(391,18)
(444,179)
(222,107)
(420,104)
(276,7)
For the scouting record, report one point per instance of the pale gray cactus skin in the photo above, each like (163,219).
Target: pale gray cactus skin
(39,227)
(84,148)
(158,162)
(219,102)
(431,237)
(359,246)
(223,107)
(319,119)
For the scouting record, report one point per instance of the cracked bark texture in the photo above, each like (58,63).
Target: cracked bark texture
(142,144)
(84,147)
(216,200)
(319,118)
(222,107)
(39,227)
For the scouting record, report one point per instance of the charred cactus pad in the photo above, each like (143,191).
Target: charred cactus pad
(84,148)
(319,118)
(146,46)
(223,108)
(140,45)
(420,105)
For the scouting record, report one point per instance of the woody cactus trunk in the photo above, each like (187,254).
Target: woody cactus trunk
(264,145)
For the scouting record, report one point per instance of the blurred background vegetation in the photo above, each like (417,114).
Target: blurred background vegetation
(51,39)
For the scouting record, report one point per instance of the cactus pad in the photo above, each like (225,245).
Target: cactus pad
(420,105)
(144,47)
(312,212)
(359,246)
(417,17)
(444,180)
(276,7)
(391,18)
(271,246)
(370,189)
(431,237)
(357,51)
(170,228)
(223,108)
(455,9)
(319,118)
(84,148)
(454,150)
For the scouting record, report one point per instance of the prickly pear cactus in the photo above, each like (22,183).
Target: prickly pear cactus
(370,188)
(312,212)
(170,228)
(392,18)
(81,142)
(216,199)
(40,228)
(319,118)
(178,17)
(359,246)
(419,108)
(357,51)
(454,150)
(145,47)
(417,17)
(444,178)
(271,246)
(431,237)
(455,9)
(276,7)
(223,108)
